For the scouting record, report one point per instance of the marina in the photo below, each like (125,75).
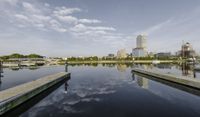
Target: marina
(97,89)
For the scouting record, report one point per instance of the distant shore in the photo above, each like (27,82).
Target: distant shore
(127,61)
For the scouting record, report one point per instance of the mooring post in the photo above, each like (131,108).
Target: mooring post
(1,64)
(1,70)
(66,66)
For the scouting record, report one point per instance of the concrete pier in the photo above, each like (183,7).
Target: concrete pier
(13,97)
(185,81)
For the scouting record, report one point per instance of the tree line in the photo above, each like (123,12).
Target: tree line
(17,55)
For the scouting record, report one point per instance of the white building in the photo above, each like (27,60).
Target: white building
(141,42)
(141,46)
(139,52)
(121,53)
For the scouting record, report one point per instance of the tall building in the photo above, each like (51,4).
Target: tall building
(139,52)
(141,42)
(141,46)
(121,53)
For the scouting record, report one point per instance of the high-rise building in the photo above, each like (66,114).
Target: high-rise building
(139,52)
(141,46)
(141,42)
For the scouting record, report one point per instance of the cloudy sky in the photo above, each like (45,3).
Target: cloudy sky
(96,27)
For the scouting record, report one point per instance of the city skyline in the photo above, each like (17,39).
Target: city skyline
(88,27)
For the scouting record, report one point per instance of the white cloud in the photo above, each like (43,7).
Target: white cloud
(21,17)
(46,4)
(58,29)
(32,16)
(40,25)
(11,2)
(29,7)
(103,28)
(82,28)
(67,19)
(89,21)
(41,18)
(55,25)
(79,28)
(65,11)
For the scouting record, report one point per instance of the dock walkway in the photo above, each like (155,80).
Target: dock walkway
(11,98)
(193,83)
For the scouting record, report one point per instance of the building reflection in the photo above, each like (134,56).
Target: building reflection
(141,81)
(1,71)
(188,70)
(121,67)
(164,66)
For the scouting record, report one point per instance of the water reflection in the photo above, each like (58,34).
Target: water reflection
(188,70)
(104,91)
(33,67)
(163,66)
(142,82)
(121,67)
(185,68)
(66,67)
(66,86)
(1,71)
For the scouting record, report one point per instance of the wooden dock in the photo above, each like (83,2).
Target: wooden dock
(185,81)
(13,97)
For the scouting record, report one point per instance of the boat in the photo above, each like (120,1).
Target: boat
(14,68)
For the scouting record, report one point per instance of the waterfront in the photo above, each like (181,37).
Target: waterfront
(109,90)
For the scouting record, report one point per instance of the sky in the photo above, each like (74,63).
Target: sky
(96,27)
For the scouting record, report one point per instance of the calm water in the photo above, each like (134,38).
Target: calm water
(109,90)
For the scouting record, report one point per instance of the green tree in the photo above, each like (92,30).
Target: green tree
(16,55)
(34,56)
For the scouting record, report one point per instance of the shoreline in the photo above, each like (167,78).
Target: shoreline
(107,62)
(127,61)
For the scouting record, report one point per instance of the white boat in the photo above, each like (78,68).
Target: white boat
(155,62)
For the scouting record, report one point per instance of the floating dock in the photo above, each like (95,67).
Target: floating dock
(13,97)
(185,81)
